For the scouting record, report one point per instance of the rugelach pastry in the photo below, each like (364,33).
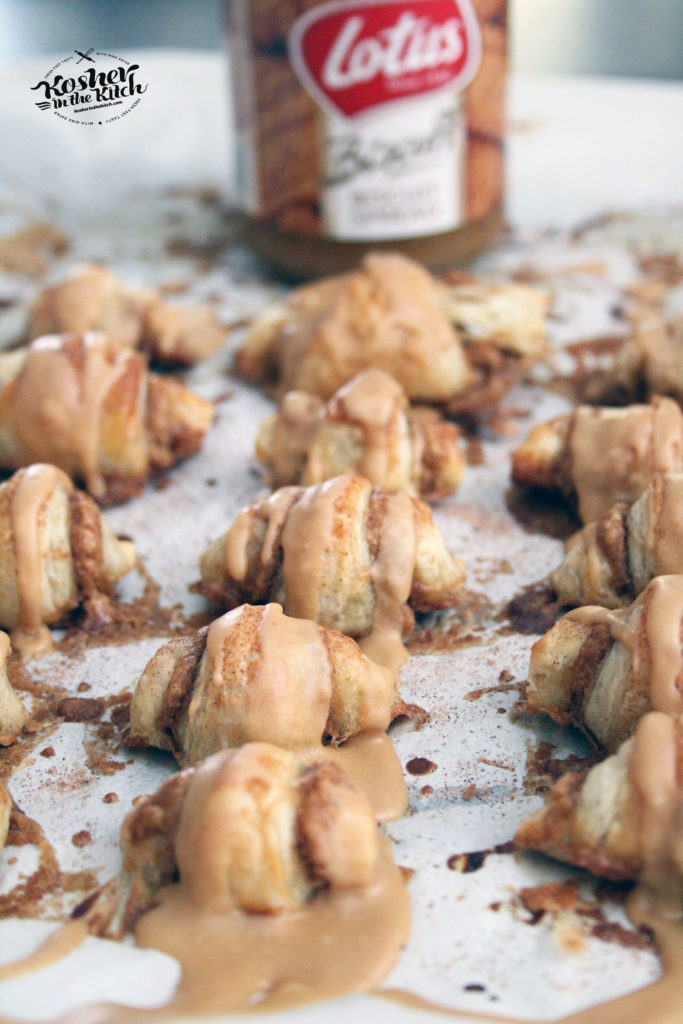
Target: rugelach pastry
(650,362)
(31,248)
(91,407)
(13,714)
(444,345)
(622,819)
(598,456)
(367,427)
(92,298)
(256,872)
(56,551)
(258,675)
(603,670)
(345,554)
(610,561)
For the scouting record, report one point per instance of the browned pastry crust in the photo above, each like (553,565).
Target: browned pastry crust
(29,250)
(650,362)
(603,669)
(56,551)
(92,298)
(258,675)
(13,715)
(346,554)
(393,316)
(621,819)
(600,456)
(613,559)
(252,830)
(367,427)
(91,407)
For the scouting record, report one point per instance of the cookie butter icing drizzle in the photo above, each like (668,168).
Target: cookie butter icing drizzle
(376,404)
(34,485)
(634,444)
(286,697)
(337,568)
(61,388)
(652,637)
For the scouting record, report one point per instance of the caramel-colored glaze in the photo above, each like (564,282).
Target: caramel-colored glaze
(264,709)
(33,488)
(57,945)
(343,941)
(653,639)
(392,573)
(375,404)
(305,547)
(373,766)
(368,758)
(616,452)
(64,428)
(315,571)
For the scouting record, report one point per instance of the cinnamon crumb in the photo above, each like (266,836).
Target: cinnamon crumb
(82,838)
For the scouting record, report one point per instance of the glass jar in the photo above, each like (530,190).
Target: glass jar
(368,124)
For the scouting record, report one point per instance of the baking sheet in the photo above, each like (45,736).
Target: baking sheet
(462,953)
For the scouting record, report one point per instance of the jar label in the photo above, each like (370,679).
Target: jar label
(369,119)
(354,57)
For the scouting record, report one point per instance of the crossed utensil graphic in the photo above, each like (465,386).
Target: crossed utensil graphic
(86,55)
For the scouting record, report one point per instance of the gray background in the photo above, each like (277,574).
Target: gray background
(613,37)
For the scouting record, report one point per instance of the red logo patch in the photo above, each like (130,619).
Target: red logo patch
(354,56)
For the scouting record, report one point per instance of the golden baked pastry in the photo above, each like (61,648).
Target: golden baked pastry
(603,669)
(258,675)
(5,809)
(91,407)
(346,554)
(391,314)
(56,550)
(252,829)
(622,819)
(650,361)
(612,560)
(92,298)
(29,249)
(13,714)
(600,456)
(367,427)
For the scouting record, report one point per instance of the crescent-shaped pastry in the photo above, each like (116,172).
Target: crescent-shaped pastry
(13,714)
(258,675)
(612,560)
(253,830)
(345,554)
(603,669)
(600,456)
(367,427)
(92,298)
(622,819)
(391,314)
(56,550)
(650,362)
(91,407)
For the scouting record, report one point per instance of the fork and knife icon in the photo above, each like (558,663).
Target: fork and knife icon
(86,55)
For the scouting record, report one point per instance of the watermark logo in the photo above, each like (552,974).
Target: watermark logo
(90,87)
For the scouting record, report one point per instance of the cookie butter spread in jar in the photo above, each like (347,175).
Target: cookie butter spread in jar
(365,124)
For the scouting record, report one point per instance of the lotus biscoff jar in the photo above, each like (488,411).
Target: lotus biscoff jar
(366,124)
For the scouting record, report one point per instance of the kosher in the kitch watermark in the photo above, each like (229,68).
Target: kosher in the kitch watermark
(91,87)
